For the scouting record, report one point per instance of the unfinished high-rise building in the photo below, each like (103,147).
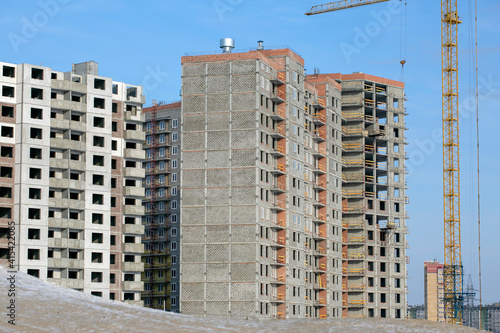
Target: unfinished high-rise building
(373,196)
(161,219)
(268,228)
(71,178)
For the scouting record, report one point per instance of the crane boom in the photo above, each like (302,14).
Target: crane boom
(338,5)
(453,293)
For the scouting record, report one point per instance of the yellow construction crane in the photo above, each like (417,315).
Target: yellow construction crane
(453,295)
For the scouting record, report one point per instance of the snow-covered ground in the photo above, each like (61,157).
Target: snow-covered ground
(44,307)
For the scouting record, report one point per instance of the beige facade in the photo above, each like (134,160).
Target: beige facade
(434,291)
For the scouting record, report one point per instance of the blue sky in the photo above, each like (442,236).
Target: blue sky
(141,42)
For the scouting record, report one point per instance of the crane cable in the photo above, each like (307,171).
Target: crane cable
(402,39)
(477,152)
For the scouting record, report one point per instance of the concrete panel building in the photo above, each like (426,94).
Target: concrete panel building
(266,225)
(71,177)
(161,239)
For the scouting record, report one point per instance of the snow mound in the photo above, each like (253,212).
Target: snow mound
(45,307)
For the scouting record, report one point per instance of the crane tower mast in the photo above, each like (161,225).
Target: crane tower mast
(453,296)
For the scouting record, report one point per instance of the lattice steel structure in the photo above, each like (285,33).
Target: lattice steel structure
(451,163)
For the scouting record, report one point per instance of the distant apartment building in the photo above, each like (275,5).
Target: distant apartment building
(71,178)
(277,221)
(434,291)
(162,207)
(489,317)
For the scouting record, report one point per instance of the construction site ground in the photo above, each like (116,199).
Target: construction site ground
(45,307)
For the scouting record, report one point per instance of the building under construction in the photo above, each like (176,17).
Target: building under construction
(161,239)
(293,189)
(71,178)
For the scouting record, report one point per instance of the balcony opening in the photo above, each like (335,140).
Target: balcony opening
(36,113)
(34,214)
(130,164)
(98,141)
(96,277)
(33,233)
(36,153)
(99,84)
(74,195)
(8,91)
(76,98)
(36,133)
(98,160)
(4,254)
(130,239)
(129,220)
(73,235)
(129,277)
(74,215)
(128,296)
(131,92)
(97,218)
(99,103)
(35,193)
(9,71)
(75,137)
(37,73)
(74,176)
(6,172)
(131,145)
(53,76)
(33,254)
(129,202)
(7,152)
(98,180)
(36,93)
(34,272)
(7,111)
(96,238)
(35,173)
(129,182)
(129,258)
(5,213)
(131,127)
(97,257)
(97,199)
(72,275)
(7,132)
(5,192)
(99,122)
